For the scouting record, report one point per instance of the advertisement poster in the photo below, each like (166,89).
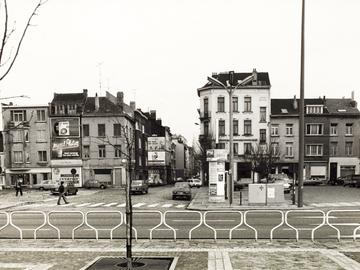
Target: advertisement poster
(156,143)
(66,148)
(63,127)
(156,158)
(64,174)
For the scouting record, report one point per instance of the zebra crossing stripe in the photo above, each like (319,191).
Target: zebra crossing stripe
(180,206)
(83,204)
(121,205)
(138,205)
(345,204)
(66,205)
(96,204)
(153,205)
(110,204)
(167,205)
(356,203)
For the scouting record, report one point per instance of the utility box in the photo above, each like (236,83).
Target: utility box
(266,193)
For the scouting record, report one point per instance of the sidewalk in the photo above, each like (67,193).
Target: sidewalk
(194,254)
(9,200)
(201,202)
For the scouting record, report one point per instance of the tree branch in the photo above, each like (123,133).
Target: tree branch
(5,31)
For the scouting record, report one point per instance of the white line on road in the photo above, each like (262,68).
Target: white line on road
(138,205)
(83,204)
(52,199)
(96,204)
(197,220)
(180,206)
(345,204)
(153,205)
(121,205)
(311,217)
(167,205)
(345,224)
(110,204)
(66,205)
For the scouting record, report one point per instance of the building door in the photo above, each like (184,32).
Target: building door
(333,171)
(34,178)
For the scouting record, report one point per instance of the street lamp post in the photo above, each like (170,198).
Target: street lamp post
(229,87)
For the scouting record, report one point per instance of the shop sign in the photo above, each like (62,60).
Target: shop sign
(66,148)
(64,174)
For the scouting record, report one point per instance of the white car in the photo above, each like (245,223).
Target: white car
(279,178)
(193,182)
(45,185)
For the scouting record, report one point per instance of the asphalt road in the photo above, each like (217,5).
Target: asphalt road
(180,223)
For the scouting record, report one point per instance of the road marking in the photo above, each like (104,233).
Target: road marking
(207,221)
(356,203)
(66,205)
(180,206)
(83,204)
(138,205)
(345,204)
(167,205)
(110,204)
(300,229)
(121,205)
(52,199)
(311,217)
(153,205)
(345,224)
(96,204)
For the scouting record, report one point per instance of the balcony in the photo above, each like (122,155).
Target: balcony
(13,124)
(204,115)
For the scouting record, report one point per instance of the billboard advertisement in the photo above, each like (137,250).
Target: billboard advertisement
(156,158)
(156,143)
(65,175)
(65,127)
(65,148)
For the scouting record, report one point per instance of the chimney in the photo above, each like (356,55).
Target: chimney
(324,98)
(295,103)
(97,103)
(353,103)
(254,80)
(158,121)
(352,95)
(120,98)
(153,114)
(133,105)
(85,92)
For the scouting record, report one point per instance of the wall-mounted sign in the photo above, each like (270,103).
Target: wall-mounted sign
(66,148)
(64,174)
(63,127)
(156,157)
(156,143)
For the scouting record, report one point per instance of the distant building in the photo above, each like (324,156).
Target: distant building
(251,115)
(182,157)
(26,144)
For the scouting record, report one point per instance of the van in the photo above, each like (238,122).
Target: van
(352,180)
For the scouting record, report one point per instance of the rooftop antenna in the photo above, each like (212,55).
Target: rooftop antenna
(99,67)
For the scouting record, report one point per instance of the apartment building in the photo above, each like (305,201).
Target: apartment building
(26,144)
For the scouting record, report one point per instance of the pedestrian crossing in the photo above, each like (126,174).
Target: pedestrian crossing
(335,204)
(108,205)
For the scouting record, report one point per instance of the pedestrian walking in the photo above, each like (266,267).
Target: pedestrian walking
(62,193)
(18,187)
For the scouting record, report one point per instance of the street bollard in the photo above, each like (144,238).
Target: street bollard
(240,198)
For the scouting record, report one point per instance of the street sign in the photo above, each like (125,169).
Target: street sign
(73,171)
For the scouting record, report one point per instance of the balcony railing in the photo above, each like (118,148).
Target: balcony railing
(205,115)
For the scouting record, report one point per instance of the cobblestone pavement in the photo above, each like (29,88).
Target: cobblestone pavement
(195,254)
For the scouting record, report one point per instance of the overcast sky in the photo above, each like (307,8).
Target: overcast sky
(159,52)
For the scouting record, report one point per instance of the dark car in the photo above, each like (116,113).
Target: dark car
(338,181)
(181,190)
(70,189)
(96,184)
(352,180)
(139,186)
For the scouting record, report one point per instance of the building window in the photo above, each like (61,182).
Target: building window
(18,116)
(274,130)
(275,149)
(262,135)
(40,115)
(140,163)
(314,129)
(247,104)
(18,157)
(140,144)
(86,130)
(27,157)
(86,151)
(235,104)
(236,127)
(314,109)
(247,127)
(102,152)
(117,151)
(314,150)
(206,105)
(289,149)
(26,135)
(236,148)
(247,148)
(220,146)
(17,136)
(206,128)
(101,130)
(333,148)
(42,156)
(221,127)
(262,114)
(221,104)
(117,130)
(333,129)
(289,130)
(72,109)
(349,129)
(348,148)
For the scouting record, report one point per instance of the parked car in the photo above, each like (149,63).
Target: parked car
(96,184)
(313,181)
(352,180)
(70,189)
(181,190)
(139,186)
(338,181)
(193,182)
(279,178)
(45,185)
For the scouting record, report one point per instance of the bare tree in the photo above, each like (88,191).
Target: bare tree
(205,143)
(9,47)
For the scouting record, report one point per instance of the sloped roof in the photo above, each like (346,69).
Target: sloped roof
(69,98)
(342,106)
(105,106)
(262,77)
